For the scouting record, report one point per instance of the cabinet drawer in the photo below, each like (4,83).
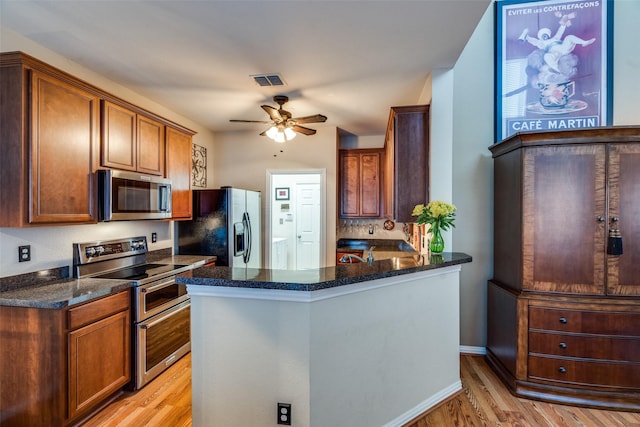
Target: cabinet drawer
(624,349)
(591,322)
(580,372)
(98,309)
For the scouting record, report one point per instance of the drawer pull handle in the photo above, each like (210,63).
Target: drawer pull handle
(563,345)
(562,370)
(563,320)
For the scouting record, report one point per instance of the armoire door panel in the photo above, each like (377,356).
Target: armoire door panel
(564,195)
(623,270)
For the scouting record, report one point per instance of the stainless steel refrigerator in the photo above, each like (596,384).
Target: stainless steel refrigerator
(226,223)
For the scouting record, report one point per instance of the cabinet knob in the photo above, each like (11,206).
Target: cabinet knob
(563,345)
(563,320)
(600,218)
(562,370)
(614,219)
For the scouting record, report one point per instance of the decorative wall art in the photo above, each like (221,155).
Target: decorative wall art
(282,193)
(199,166)
(553,65)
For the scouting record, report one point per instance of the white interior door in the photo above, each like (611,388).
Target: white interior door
(307,226)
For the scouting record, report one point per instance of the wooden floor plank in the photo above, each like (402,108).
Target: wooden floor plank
(483,402)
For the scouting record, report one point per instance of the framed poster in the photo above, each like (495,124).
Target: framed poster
(553,65)
(282,193)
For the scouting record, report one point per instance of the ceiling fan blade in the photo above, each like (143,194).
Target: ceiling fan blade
(303,130)
(249,121)
(316,118)
(264,133)
(272,112)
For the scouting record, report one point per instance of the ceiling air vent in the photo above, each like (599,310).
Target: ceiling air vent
(268,79)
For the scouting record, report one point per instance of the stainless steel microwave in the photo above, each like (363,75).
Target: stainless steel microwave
(130,195)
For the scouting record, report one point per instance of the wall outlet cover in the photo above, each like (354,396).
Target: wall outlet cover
(284,414)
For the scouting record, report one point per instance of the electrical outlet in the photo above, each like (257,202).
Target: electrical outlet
(284,413)
(154,237)
(24,253)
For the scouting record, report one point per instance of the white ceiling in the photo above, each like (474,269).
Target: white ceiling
(348,60)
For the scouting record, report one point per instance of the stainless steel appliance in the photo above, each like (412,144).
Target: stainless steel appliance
(161,307)
(226,223)
(131,195)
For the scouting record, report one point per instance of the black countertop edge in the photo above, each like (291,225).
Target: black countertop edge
(322,278)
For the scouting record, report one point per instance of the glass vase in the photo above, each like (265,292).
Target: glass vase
(437,242)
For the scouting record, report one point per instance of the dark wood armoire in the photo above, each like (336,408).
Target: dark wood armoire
(564,304)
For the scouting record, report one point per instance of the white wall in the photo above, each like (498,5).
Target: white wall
(52,246)
(473,134)
(242,159)
(379,356)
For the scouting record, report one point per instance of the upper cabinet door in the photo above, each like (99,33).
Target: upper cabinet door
(150,146)
(64,134)
(178,169)
(563,209)
(406,161)
(131,141)
(360,183)
(623,271)
(118,137)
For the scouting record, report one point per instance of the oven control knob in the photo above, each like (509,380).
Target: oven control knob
(99,250)
(90,251)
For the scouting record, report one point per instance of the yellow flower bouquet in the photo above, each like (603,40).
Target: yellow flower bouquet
(440,216)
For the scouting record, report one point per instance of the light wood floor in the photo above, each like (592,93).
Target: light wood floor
(484,401)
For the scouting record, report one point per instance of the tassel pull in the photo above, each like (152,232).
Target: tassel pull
(614,243)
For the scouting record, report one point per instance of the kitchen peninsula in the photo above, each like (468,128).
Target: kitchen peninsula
(351,345)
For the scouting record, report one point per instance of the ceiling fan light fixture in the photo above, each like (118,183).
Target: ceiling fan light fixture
(272,132)
(289,133)
(280,137)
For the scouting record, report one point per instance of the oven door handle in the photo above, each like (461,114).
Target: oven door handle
(162,316)
(164,284)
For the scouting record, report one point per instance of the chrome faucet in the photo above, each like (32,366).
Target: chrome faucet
(351,257)
(370,256)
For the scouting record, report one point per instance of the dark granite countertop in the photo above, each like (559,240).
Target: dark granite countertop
(321,278)
(54,288)
(62,294)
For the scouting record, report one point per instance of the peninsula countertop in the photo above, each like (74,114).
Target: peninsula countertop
(321,278)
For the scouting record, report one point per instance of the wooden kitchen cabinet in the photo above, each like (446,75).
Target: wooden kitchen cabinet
(406,166)
(360,183)
(64,363)
(178,168)
(49,145)
(563,314)
(131,141)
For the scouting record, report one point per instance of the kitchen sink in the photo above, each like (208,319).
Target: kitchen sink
(382,248)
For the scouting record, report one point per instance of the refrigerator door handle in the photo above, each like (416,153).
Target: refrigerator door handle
(247,225)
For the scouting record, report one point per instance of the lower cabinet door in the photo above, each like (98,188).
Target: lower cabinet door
(99,361)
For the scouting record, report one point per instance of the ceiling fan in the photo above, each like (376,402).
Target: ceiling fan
(283,126)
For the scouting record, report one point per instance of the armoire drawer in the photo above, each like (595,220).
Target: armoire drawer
(622,349)
(582,372)
(584,321)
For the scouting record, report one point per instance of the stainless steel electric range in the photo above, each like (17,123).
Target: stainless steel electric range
(161,307)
